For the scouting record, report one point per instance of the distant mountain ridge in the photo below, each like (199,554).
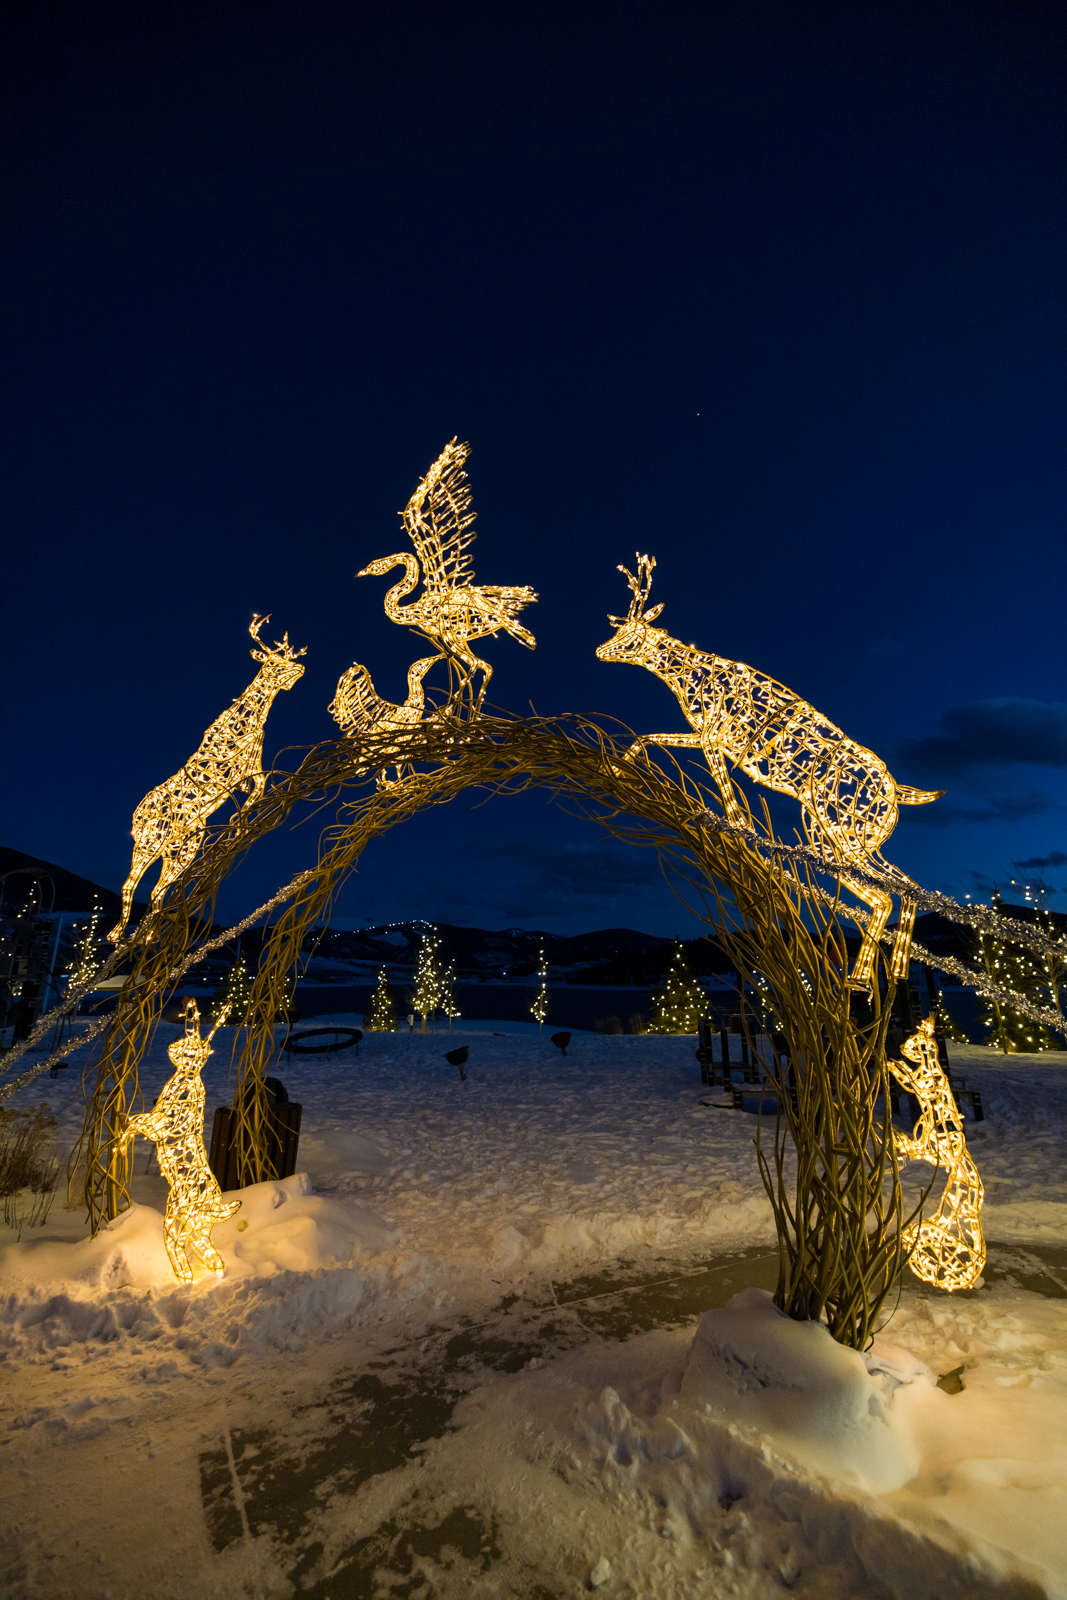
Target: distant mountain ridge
(72,893)
(604,955)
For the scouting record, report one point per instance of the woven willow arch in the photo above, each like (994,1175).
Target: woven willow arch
(829,1168)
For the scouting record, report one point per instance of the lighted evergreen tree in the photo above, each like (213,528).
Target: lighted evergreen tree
(287,1011)
(539,1009)
(680,1002)
(429,979)
(382,1017)
(447,1003)
(1015,966)
(87,957)
(949,1026)
(231,1002)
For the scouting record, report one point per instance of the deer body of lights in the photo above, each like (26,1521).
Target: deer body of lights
(848,798)
(452,610)
(170,821)
(176,1126)
(359,710)
(947,1249)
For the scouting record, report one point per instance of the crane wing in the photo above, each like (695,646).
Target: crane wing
(437,519)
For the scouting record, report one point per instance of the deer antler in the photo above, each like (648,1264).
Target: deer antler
(641,585)
(278,648)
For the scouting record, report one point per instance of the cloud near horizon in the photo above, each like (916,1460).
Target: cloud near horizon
(1001,808)
(1002,732)
(556,876)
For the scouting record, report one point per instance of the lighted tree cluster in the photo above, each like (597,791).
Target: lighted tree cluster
(230,1006)
(382,1018)
(1035,975)
(434,982)
(680,1002)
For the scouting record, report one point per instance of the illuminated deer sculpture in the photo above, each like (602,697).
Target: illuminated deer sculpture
(169,823)
(848,798)
(947,1249)
(176,1127)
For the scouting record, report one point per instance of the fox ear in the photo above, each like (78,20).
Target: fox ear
(650,616)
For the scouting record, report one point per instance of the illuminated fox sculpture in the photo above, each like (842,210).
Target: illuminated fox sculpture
(358,709)
(176,1127)
(170,821)
(848,798)
(947,1249)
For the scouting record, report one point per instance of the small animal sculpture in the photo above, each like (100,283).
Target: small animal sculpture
(848,798)
(360,711)
(947,1249)
(170,821)
(176,1127)
(452,610)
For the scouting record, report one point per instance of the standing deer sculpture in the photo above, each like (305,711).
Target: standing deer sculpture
(170,821)
(176,1127)
(452,610)
(947,1249)
(359,710)
(848,798)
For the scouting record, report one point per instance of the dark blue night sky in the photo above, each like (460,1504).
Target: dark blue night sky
(773,291)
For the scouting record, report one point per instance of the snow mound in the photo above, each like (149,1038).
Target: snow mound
(281,1227)
(751,1365)
(337,1153)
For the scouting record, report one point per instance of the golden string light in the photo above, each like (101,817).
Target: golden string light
(947,1249)
(848,798)
(451,611)
(176,1127)
(170,821)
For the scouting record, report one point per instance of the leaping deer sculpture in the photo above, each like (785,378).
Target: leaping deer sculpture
(848,798)
(170,821)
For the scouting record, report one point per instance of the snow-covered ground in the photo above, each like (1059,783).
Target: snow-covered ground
(441,1222)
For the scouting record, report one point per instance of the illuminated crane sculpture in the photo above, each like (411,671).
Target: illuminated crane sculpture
(848,798)
(452,610)
(170,821)
(176,1127)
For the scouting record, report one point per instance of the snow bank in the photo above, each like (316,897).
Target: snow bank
(281,1227)
(298,1266)
(798,1466)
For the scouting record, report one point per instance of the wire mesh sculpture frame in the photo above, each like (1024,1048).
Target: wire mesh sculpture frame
(832,1175)
(848,798)
(176,1127)
(833,1262)
(947,1249)
(171,819)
